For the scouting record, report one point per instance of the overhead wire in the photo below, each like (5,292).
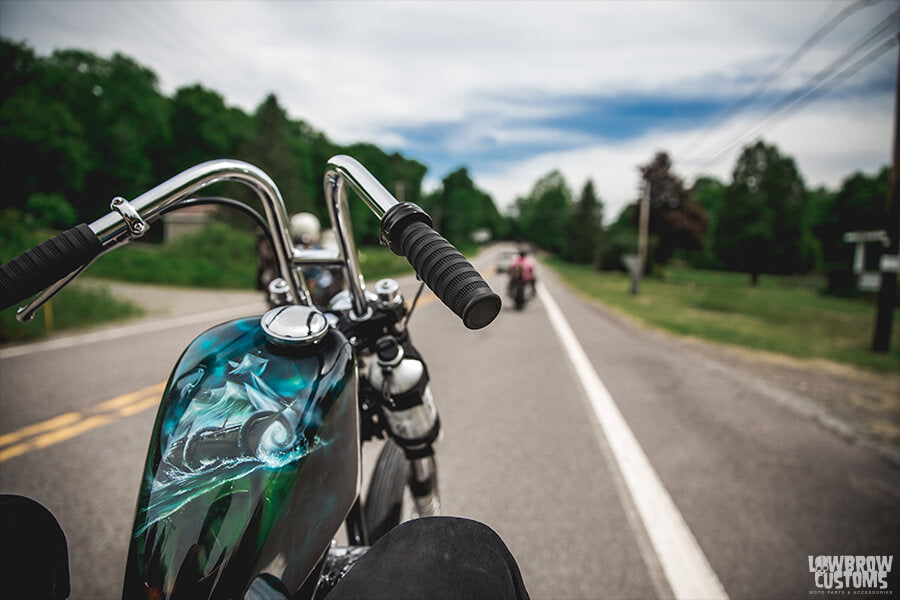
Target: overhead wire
(766,81)
(825,79)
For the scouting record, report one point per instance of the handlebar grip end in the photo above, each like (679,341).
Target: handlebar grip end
(47,263)
(481,309)
(407,230)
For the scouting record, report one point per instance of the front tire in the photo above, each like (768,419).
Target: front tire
(384,500)
(520,295)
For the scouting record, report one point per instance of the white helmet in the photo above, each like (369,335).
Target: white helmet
(329,240)
(305,228)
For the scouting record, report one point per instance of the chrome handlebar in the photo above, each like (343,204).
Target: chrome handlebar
(340,169)
(117,227)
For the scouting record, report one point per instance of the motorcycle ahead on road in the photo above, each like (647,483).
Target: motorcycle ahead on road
(521,288)
(518,292)
(254,459)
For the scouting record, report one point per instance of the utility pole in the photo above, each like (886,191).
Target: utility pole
(890,260)
(644,225)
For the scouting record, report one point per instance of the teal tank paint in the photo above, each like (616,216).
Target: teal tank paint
(247,435)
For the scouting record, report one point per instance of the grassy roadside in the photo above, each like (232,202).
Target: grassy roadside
(377,262)
(215,257)
(73,308)
(781,315)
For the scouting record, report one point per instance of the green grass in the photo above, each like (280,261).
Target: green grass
(193,265)
(783,315)
(73,308)
(377,262)
(216,256)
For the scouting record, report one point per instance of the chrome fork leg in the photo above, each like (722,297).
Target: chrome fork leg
(424,486)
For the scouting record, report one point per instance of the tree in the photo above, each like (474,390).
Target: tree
(583,229)
(676,221)
(42,146)
(858,206)
(544,212)
(273,148)
(709,193)
(204,128)
(619,239)
(762,225)
(459,208)
(124,123)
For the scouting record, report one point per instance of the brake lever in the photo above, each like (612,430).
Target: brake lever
(27,312)
(136,227)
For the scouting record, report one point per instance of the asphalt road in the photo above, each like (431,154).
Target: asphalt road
(720,483)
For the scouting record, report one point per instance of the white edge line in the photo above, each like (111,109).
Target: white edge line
(686,567)
(127,330)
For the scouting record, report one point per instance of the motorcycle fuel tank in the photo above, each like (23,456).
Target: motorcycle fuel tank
(253,464)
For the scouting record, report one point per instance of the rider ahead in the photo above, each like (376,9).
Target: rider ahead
(522,269)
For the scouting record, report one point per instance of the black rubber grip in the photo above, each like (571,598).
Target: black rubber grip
(47,263)
(443,269)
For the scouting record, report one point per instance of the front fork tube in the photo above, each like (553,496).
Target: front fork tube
(424,486)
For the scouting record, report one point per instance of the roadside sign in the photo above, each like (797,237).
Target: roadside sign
(631,262)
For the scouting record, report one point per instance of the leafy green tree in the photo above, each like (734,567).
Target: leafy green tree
(619,239)
(42,145)
(273,147)
(762,224)
(544,212)
(860,205)
(709,193)
(459,208)
(83,128)
(124,121)
(584,227)
(51,210)
(204,128)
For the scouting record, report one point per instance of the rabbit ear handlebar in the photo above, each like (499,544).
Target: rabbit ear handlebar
(405,228)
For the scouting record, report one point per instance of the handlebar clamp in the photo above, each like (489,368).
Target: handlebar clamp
(397,219)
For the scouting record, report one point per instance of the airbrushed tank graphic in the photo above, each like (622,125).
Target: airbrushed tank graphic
(248,435)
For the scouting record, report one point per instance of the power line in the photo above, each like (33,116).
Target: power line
(766,82)
(824,83)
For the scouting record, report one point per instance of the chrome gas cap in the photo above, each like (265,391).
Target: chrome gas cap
(294,325)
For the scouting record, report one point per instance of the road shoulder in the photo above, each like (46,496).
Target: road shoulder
(860,406)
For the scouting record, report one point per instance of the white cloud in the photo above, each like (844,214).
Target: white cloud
(828,141)
(370,70)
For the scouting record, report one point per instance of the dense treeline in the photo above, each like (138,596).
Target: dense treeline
(764,220)
(77,129)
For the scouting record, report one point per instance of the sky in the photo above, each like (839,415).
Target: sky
(512,90)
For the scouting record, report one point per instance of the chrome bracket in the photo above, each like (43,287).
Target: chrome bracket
(136,225)
(280,292)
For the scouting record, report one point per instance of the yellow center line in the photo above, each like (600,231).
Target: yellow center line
(69,425)
(130,398)
(139,406)
(54,423)
(72,424)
